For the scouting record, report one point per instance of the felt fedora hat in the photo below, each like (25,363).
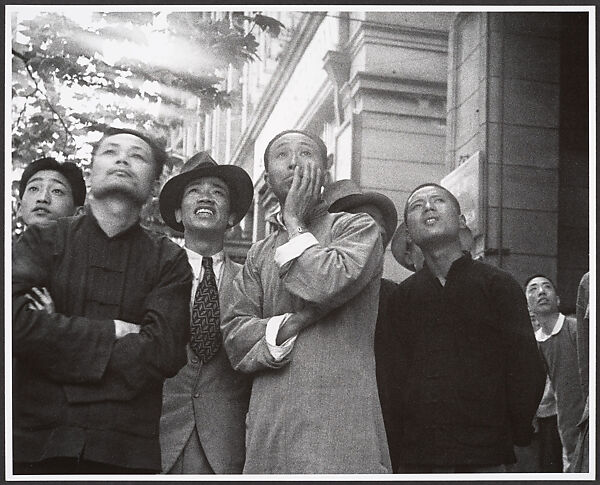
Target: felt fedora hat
(203,165)
(403,253)
(401,249)
(345,194)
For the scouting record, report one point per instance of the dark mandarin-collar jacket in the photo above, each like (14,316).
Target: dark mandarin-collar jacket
(468,376)
(77,391)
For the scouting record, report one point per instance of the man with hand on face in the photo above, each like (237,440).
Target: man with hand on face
(49,190)
(202,428)
(468,376)
(90,364)
(302,320)
(557,340)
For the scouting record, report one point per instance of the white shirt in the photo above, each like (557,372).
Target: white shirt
(542,336)
(195,261)
(283,255)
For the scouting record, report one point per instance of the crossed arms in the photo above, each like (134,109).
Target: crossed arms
(94,358)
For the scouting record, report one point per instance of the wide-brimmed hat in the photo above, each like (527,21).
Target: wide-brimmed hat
(345,194)
(402,252)
(203,165)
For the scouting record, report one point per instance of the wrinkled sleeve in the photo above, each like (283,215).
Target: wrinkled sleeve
(333,274)
(526,376)
(158,351)
(583,331)
(243,326)
(66,348)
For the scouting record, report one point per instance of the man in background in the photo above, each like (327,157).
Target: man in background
(49,190)
(346,196)
(583,356)
(557,340)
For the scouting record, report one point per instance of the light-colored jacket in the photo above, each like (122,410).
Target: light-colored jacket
(318,411)
(211,397)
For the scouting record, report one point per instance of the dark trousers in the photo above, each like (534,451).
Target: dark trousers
(550,446)
(74,466)
(544,454)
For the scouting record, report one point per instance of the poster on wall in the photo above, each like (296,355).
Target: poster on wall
(466,183)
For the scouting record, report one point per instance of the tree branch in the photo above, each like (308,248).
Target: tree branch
(16,53)
(44,95)
(21,113)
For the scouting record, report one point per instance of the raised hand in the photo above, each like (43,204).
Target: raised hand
(303,195)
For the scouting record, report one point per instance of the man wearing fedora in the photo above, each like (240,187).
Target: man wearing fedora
(202,428)
(314,405)
(89,372)
(346,196)
(467,373)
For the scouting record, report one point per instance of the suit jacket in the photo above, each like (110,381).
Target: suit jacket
(211,397)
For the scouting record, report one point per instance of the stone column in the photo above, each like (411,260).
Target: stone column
(396,99)
(503,100)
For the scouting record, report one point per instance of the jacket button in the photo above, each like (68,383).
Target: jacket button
(197,394)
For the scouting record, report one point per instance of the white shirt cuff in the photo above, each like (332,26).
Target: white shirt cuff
(278,352)
(294,248)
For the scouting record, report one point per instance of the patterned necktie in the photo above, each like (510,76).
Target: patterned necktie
(206,315)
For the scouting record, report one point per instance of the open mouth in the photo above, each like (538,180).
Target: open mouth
(204,210)
(40,211)
(430,221)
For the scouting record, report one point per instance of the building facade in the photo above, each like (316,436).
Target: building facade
(492,104)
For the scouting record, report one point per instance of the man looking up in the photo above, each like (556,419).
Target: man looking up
(89,372)
(314,405)
(557,339)
(49,190)
(468,374)
(202,428)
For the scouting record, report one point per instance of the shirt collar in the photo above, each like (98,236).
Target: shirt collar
(541,336)
(277,218)
(196,257)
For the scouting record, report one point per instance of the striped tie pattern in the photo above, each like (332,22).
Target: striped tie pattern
(206,315)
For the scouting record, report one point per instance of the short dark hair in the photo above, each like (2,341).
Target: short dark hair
(158,152)
(312,136)
(68,170)
(432,184)
(539,275)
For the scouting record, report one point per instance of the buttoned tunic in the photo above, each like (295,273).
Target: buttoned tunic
(468,375)
(77,391)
